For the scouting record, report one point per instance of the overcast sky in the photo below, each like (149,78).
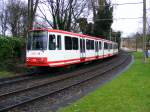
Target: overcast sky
(129,26)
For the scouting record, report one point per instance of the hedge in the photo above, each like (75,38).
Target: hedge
(11,47)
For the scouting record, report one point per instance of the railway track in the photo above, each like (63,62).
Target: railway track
(13,79)
(12,86)
(19,97)
(21,85)
(20,78)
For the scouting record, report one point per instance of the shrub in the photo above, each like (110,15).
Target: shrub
(11,47)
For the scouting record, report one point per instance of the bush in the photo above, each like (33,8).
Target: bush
(11,48)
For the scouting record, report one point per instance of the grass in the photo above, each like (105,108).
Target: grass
(129,92)
(11,68)
(6,74)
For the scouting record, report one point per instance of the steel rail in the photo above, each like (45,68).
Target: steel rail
(94,74)
(56,79)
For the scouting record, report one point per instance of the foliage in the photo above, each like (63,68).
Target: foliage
(10,48)
(83,24)
(148,38)
(128,92)
(85,27)
(89,29)
(116,36)
(5,74)
(103,20)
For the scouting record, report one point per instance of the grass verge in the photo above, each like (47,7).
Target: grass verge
(10,68)
(129,92)
(6,74)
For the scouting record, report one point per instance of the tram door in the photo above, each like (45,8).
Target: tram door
(82,49)
(96,48)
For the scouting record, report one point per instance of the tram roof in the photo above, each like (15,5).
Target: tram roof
(70,33)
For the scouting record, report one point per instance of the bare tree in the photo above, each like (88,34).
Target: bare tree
(32,7)
(24,20)
(17,13)
(64,13)
(3,18)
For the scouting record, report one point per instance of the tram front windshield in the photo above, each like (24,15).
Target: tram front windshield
(37,40)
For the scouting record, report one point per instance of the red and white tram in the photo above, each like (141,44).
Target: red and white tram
(55,48)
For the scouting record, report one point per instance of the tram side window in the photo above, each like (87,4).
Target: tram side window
(52,42)
(68,43)
(113,46)
(75,43)
(59,42)
(105,45)
(92,44)
(83,45)
(116,46)
(110,46)
(88,44)
(29,43)
(96,46)
(100,45)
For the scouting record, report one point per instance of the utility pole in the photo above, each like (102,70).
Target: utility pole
(144,30)
(110,34)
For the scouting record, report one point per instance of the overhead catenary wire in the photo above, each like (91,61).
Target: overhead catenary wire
(129,3)
(116,4)
(115,19)
(105,19)
(119,18)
